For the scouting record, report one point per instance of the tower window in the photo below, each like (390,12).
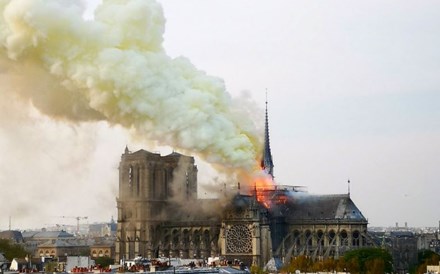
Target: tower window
(130,176)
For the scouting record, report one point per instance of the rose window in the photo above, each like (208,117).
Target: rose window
(239,239)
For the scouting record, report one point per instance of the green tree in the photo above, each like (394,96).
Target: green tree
(11,250)
(425,258)
(369,260)
(104,261)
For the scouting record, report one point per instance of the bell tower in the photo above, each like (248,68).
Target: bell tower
(148,182)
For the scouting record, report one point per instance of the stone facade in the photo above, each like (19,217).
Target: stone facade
(159,215)
(61,248)
(103,249)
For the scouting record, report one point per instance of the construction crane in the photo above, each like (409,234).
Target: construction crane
(77,220)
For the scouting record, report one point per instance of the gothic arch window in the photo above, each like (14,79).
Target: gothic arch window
(175,236)
(186,237)
(331,237)
(206,237)
(130,176)
(138,187)
(166,242)
(296,236)
(356,238)
(308,239)
(320,237)
(343,238)
(131,252)
(196,237)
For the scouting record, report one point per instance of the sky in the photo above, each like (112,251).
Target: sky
(353,94)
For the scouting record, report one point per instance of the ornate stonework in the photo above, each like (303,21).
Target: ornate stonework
(239,239)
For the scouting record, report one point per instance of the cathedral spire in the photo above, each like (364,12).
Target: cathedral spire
(266,161)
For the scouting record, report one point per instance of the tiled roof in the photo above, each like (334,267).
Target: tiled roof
(47,235)
(62,243)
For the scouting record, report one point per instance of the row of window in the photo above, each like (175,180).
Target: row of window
(319,236)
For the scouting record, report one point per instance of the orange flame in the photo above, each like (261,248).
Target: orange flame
(262,185)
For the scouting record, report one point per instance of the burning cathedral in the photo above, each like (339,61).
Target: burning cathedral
(160,215)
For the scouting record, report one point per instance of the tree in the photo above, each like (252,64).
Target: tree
(104,261)
(425,258)
(329,264)
(375,266)
(11,250)
(302,263)
(370,260)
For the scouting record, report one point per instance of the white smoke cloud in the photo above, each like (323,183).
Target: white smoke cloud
(114,68)
(61,75)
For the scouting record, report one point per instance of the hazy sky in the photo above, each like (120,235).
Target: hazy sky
(353,92)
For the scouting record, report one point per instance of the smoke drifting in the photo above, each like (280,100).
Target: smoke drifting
(65,80)
(114,68)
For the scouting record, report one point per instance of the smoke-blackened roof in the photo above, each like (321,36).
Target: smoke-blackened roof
(305,207)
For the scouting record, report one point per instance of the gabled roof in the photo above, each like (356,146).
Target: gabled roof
(402,234)
(62,243)
(103,242)
(47,235)
(306,207)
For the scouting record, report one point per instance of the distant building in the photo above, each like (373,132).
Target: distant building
(103,229)
(104,247)
(63,247)
(403,250)
(26,265)
(428,241)
(46,235)
(32,239)
(14,236)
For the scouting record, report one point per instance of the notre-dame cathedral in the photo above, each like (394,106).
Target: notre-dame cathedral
(160,215)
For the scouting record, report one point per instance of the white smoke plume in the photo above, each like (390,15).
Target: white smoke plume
(114,68)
